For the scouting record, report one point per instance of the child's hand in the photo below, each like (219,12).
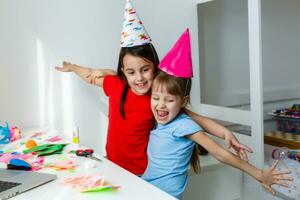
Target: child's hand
(273,176)
(94,75)
(241,150)
(66,67)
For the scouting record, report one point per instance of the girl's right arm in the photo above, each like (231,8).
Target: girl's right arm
(89,75)
(216,129)
(266,177)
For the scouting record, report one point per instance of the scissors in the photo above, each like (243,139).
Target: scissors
(87,153)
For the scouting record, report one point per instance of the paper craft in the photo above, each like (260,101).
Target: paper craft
(37,163)
(92,183)
(4,134)
(134,32)
(178,61)
(9,134)
(19,164)
(38,134)
(30,144)
(54,139)
(6,157)
(46,149)
(15,133)
(62,165)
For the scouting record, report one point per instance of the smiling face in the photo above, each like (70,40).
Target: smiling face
(165,106)
(139,73)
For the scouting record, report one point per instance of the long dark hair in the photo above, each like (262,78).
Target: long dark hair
(146,51)
(178,87)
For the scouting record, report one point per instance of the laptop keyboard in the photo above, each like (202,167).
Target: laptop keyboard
(4,185)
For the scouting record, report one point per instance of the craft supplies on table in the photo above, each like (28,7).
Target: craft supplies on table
(89,183)
(69,165)
(87,153)
(293,155)
(288,119)
(4,134)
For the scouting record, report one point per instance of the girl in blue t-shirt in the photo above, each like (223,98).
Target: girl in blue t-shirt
(171,145)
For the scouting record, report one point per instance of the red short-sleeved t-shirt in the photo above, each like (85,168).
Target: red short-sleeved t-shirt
(127,139)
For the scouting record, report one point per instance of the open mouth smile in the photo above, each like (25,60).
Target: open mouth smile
(162,115)
(141,85)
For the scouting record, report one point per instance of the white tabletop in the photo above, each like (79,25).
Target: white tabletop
(131,187)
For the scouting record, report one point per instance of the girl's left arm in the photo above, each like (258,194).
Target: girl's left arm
(266,177)
(220,131)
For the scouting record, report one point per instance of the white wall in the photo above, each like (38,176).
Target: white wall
(37,35)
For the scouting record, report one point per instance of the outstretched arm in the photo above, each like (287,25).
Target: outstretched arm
(89,75)
(266,177)
(220,131)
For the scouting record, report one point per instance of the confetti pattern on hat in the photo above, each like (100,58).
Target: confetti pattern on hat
(134,32)
(178,61)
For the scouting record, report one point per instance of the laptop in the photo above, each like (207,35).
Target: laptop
(14,182)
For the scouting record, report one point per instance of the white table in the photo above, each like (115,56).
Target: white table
(131,186)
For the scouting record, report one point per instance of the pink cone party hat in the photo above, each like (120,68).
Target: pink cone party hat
(134,33)
(178,61)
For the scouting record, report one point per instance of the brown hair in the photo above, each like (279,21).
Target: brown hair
(174,85)
(178,87)
(147,52)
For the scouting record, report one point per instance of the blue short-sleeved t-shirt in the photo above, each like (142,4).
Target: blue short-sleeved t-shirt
(169,154)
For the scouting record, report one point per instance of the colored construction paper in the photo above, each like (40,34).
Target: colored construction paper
(19,164)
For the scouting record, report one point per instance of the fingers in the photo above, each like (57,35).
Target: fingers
(241,152)
(283,177)
(244,147)
(60,69)
(244,155)
(283,172)
(64,67)
(275,164)
(236,144)
(283,184)
(269,189)
(66,63)
(99,76)
(93,76)
(228,144)
(282,180)
(94,81)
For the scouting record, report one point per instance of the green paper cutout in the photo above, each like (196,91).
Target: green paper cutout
(46,149)
(99,189)
(37,148)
